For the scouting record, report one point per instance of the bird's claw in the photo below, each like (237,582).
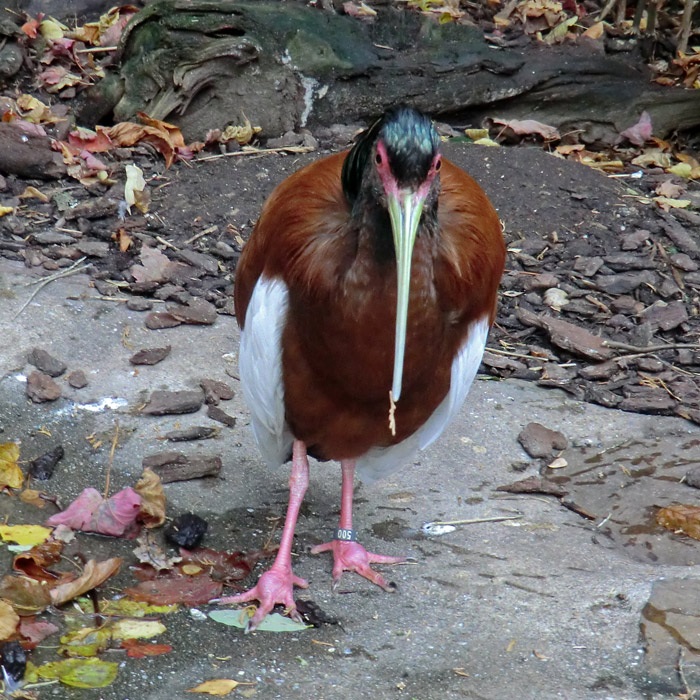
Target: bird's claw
(351,556)
(274,587)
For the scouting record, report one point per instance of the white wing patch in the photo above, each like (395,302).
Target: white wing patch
(260,367)
(380,461)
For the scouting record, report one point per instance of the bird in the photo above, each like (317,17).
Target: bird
(364,295)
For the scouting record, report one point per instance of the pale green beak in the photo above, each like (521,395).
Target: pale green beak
(405,212)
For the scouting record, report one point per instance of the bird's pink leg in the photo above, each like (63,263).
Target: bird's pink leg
(348,555)
(277,584)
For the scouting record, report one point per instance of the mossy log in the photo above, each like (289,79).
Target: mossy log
(204,64)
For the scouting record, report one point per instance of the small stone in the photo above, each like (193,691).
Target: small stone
(684,262)
(150,356)
(629,261)
(201,260)
(224,250)
(139,304)
(93,209)
(187,531)
(625,282)
(649,401)
(52,238)
(194,432)
(164,403)
(94,249)
(215,391)
(665,316)
(588,266)
(217,414)
(539,441)
(42,468)
(692,477)
(168,291)
(604,370)
(635,240)
(541,281)
(45,362)
(77,379)
(626,305)
(173,466)
(197,312)
(649,364)
(159,319)
(40,387)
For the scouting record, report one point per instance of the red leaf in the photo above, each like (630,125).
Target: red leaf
(35,631)
(30,28)
(136,650)
(222,566)
(91,513)
(189,590)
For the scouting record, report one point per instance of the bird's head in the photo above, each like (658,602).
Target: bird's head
(398,157)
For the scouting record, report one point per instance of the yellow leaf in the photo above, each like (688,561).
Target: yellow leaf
(595,31)
(191,569)
(33,497)
(667,203)
(78,673)
(33,193)
(243,134)
(8,620)
(6,210)
(51,30)
(475,134)
(135,188)
(486,142)
(220,686)
(10,473)
(25,534)
(150,488)
(681,169)
(137,629)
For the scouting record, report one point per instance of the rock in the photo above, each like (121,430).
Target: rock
(165,403)
(635,240)
(588,266)
(629,261)
(96,208)
(169,291)
(173,466)
(159,319)
(603,397)
(194,432)
(40,387)
(93,249)
(541,281)
(669,622)
(187,530)
(215,391)
(198,312)
(567,335)
(77,379)
(139,304)
(217,414)
(648,401)
(45,362)
(150,356)
(626,305)
(625,282)
(684,262)
(665,316)
(224,250)
(602,371)
(51,238)
(42,468)
(649,364)
(539,441)
(680,237)
(200,260)
(692,477)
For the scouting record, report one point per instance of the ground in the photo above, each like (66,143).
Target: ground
(549,605)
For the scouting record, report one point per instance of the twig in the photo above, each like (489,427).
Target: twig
(199,235)
(509,353)
(258,151)
(42,283)
(167,244)
(613,344)
(111,458)
(688,694)
(473,521)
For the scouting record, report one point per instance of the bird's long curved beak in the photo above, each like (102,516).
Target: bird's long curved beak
(405,208)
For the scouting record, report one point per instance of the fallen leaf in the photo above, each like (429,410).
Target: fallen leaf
(30,28)
(34,562)
(155,266)
(97,141)
(595,31)
(6,210)
(558,463)
(176,589)
(228,568)
(78,673)
(242,134)
(94,574)
(137,629)
(33,498)
(527,127)
(668,188)
(87,641)
(653,156)
(135,650)
(666,203)
(115,516)
(151,553)
(640,133)
(35,631)
(475,134)
(220,686)
(150,489)
(25,534)
(26,595)
(9,620)
(271,623)
(33,193)
(359,9)
(123,239)
(10,473)
(681,518)
(51,30)
(135,192)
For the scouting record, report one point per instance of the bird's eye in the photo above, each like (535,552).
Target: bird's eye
(438,165)
(378,159)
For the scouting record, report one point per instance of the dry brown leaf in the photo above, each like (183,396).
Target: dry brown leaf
(27,596)
(683,518)
(9,620)
(94,574)
(150,488)
(595,31)
(668,188)
(32,497)
(33,193)
(527,127)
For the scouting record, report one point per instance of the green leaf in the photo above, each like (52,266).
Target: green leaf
(78,673)
(272,623)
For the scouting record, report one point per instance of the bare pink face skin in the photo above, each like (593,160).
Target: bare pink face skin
(391,186)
